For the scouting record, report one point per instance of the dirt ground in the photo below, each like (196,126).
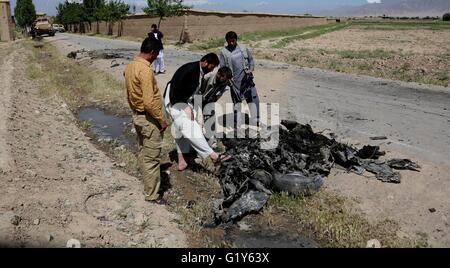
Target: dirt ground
(420,204)
(356,38)
(55,185)
(414,55)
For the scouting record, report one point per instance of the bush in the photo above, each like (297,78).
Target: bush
(446,17)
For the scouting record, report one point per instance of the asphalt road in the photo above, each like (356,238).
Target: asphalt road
(415,118)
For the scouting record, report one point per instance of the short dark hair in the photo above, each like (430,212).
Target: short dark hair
(151,44)
(231,35)
(211,58)
(225,71)
(154,26)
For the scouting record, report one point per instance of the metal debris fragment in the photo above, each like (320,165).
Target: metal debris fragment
(298,165)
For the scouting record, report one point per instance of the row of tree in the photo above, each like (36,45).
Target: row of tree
(85,13)
(80,15)
(77,15)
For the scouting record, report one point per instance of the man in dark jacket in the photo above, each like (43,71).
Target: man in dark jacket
(158,65)
(188,133)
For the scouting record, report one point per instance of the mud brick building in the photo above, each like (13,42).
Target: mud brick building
(6,23)
(204,25)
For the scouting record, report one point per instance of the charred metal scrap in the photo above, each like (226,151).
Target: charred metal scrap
(101,54)
(297,166)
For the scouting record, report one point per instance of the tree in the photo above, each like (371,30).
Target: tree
(112,12)
(446,17)
(98,16)
(91,8)
(120,10)
(25,13)
(71,14)
(165,8)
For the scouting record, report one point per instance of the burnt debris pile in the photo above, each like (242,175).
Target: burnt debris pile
(102,54)
(298,166)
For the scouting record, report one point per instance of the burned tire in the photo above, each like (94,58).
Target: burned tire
(297,183)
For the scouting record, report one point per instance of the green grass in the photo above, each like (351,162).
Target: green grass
(323,51)
(365,54)
(443,76)
(193,218)
(336,66)
(311,32)
(19,34)
(305,32)
(78,85)
(402,25)
(209,44)
(33,71)
(335,220)
(286,36)
(364,67)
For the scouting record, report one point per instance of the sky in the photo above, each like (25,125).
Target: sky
(273,6)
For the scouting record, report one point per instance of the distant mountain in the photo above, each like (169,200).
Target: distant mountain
(410,8)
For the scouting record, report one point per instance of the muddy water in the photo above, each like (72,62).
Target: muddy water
(258,239)
(107,126)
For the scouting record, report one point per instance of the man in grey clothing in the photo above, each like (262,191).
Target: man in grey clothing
(239,59)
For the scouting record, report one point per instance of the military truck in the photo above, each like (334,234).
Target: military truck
(42,26)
